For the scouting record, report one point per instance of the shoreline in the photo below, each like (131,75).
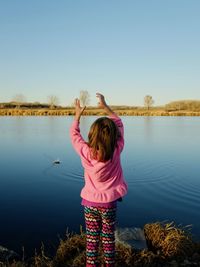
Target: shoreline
(96,112)
(166,245)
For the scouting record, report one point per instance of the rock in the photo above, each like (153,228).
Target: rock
(132,236)
(8,255)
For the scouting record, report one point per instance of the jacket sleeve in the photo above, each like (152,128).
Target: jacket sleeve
(120,126)
(79,144)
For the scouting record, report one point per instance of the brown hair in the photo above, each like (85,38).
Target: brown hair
(102,138)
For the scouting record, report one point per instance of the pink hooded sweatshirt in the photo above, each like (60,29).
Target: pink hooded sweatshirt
(104,181)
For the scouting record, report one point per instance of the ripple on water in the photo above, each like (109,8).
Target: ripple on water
(167,183)
(58,172)
(146,173)
(72,176)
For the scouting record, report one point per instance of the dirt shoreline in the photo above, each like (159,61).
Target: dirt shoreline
(95,112)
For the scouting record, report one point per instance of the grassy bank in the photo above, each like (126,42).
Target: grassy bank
(167,246)
(94,111)
(175,108)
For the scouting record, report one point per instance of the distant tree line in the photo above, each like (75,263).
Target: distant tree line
(19,101)
(191,105)
(16,105)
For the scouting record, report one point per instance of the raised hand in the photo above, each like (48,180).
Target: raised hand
(102,102)
(78,109)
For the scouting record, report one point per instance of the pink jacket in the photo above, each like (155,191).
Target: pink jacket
(104,181)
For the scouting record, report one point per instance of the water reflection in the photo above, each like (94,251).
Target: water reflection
(19,126)
(148,124)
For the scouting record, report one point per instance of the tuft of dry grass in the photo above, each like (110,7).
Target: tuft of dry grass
(124,254)
(168,240)
(71,252)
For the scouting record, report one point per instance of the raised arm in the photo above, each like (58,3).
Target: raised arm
(102,104)
(78,109)
(77,140)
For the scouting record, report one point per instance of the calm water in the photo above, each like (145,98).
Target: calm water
(39,201)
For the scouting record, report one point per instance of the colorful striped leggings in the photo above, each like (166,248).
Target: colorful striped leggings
(100,223)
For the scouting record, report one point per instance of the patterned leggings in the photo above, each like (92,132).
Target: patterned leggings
(100,222)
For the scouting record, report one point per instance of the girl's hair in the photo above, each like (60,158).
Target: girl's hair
(102,139)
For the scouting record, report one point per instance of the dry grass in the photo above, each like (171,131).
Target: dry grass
(98,112)
(165,242)
(71,252)
(170,241)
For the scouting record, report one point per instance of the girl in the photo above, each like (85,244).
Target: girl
(104,180)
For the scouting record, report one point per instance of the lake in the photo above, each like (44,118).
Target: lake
(40,201)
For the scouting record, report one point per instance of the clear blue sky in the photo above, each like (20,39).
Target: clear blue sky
(122,48)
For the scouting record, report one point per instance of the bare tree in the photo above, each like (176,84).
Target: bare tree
(53,101)
(148,101)
(19,99)
(84,97)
